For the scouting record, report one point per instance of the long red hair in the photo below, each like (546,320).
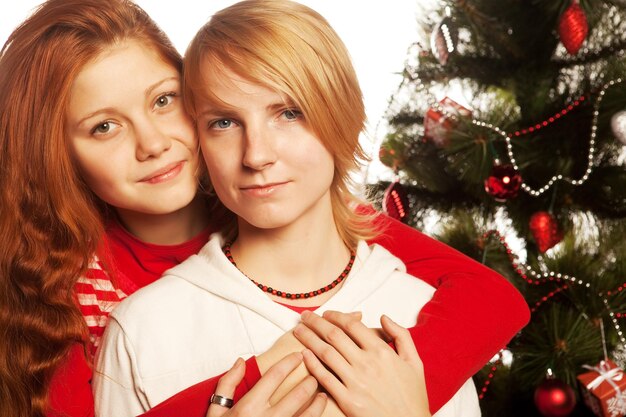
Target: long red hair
(50,222)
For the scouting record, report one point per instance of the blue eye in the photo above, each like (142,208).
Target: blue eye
(222,124)
(292,114)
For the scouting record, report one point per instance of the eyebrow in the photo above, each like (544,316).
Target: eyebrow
(147,92)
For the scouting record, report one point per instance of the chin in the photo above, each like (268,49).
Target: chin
(266,222)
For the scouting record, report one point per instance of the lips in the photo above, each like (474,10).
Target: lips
(164,174)
(263,189)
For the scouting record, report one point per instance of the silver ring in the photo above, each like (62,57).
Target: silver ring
(223,401)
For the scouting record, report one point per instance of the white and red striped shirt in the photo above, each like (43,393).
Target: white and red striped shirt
(97,296)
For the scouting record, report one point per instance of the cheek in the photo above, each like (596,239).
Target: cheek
(220,169)
(99,166)
(180,126)
(317,158)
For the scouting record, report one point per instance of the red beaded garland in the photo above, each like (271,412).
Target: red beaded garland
(549,121)
(298,296)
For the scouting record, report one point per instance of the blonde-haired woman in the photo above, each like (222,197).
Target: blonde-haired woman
(278,111)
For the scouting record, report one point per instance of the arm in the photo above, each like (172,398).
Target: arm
(70,389)
(472,315)
(256,404)
(194,401)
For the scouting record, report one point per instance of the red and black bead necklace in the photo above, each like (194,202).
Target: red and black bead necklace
(298,296)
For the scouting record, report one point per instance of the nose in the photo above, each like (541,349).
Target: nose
(260,149)
(151,142)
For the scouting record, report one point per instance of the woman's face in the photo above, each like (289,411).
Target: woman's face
(129,133)
(265,162)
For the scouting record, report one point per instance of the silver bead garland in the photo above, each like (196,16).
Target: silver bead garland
(549,274)
(509,146)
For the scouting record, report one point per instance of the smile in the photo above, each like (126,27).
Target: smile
(164,174)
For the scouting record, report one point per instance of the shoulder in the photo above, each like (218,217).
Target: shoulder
(378,261)
(96,296)
(152,298)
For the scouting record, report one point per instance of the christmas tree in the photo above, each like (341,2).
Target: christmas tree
(508,134)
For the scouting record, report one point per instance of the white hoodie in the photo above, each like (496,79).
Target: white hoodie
(204,313)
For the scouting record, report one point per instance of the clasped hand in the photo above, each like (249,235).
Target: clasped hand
(355,365)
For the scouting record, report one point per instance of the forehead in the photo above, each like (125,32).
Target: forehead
(129,61)
(223,87)
(120,74)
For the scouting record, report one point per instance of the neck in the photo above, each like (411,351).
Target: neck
(167,229)
(293,259)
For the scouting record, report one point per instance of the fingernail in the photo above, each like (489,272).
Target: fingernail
(238,363)
(305,314)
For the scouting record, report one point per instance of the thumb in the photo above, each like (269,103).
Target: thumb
(226,387)
(402,340)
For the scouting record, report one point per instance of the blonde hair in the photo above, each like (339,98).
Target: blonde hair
(291,48)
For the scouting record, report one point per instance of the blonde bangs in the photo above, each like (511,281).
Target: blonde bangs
(292,49)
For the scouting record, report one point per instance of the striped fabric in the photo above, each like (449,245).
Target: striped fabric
(97,296)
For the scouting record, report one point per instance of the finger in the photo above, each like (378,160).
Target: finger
(325,378)
(332,335)
(275,376)
(226,387)
(325,352)
(362,335)
(297,398)
(402,339)
(317,406)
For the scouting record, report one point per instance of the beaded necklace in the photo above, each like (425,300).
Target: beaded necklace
(297,296)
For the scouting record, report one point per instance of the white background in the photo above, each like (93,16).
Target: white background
(377,34)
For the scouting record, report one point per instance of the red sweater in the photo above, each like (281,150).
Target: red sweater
(472,315)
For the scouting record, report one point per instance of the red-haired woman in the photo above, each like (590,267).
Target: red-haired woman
(134,203)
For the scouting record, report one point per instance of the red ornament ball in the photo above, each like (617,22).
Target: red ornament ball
(573,27)
(388,157)
(545,230)
(503,183)
(396,202)
(554,398)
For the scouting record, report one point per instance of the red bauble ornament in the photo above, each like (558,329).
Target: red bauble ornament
(396,202)
(503,183)
(554,398)
(573,27)
(388,157)
(545,230)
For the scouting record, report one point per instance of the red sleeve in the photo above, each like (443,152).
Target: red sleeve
(473,314)
(194,401)
(70,390)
